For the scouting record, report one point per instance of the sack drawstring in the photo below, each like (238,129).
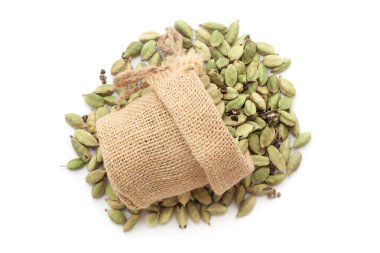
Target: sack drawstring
(170,43)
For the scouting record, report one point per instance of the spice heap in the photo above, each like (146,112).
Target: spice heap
(240,76)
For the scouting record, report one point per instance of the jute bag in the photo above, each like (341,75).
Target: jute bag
(172,140)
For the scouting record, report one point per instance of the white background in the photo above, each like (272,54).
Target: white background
(51,52)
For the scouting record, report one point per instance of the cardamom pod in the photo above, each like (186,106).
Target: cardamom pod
(246,206)
(116,216)
(98,189)
(217,209)
(86,138)
(276,158)
(93,100)
(75,164)
(301,140)
(131,222)
(233,32)
(202,195)
(193,212)
(133,49)
(183,28)
(294,162)
(74,120)
(151,219)
(166,215)
(80,149)
(95,176)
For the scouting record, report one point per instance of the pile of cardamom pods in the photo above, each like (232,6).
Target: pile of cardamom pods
(241,77)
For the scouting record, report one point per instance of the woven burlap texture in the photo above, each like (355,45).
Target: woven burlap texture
(170,141)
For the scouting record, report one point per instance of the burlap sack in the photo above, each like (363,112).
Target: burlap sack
(170,141)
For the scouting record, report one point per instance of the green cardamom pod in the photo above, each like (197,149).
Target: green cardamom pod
(181,216)
(215,53)
(166,215)
(294,130)
(193,212)
(287,87)
(110,192)
(211,26)
(202,195)
(272,61)
(242,40)
(95,176)
(146,36)
(222,62)
(98,189)
(249,108)
(93,100)
(105,89)
(264,48)
(233,32)
(267,136)
(230,94)
(151,219)
(101,112)
(260,175)
(118,66)
(80,149)
(216,96)
(246,181)
(287,118)
(184,198)
(246,206)
(260,189)
(205,215)
(282,67)
(216,38)
(273,100)
(183,28)
(220,107)
(260,122)
(115,204)
(203,50)
(203,35)
(285,150)
(113,100)
(283,132)
(259,160)
(235,53)
(301,140)
(91,122)
(75,164)
(131,222)
(254,143)
(148,50)
(275,179)
(153,208)
(92,164)
(249,52)
(231,75)
(133,49)
(217,209)
(294,162)
(74,120)
(276,158)
(240,193)
(273,84)
(116,216)
(170,202)
(243,145)
(224,48)
(156,59)
(259,101)
(263,74)
(236,103)
(205,80)
(86,138)
(285,103)
(243,131)
(228,197)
